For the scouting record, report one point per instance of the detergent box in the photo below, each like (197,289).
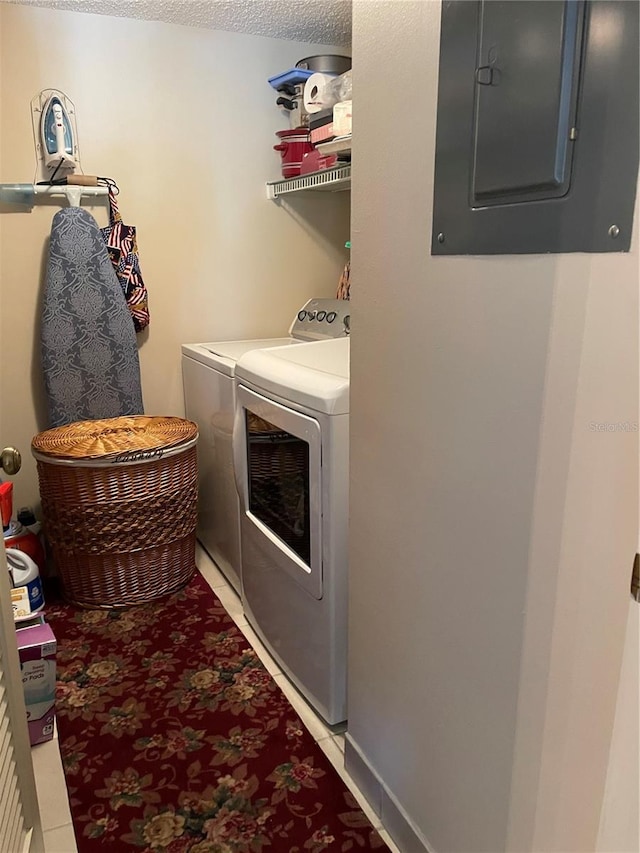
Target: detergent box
(37,652)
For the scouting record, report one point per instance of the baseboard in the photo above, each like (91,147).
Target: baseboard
(362,774)
(404,833)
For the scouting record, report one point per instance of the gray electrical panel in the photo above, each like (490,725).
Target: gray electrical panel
(537,136)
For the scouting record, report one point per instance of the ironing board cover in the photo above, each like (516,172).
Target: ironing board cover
(88,344)
(123,251)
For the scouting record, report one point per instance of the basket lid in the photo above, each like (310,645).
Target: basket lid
(122,439)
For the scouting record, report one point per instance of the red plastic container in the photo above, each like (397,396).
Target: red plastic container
(294,144)
(314,161)
(19,537)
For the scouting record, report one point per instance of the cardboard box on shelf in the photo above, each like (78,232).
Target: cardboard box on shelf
(321,126)
(37,652)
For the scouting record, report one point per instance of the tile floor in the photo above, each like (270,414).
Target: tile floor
(52,793)
(52,798)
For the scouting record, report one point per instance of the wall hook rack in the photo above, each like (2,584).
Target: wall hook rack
(28,195)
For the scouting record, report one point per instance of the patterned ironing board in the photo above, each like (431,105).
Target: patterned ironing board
(88,343)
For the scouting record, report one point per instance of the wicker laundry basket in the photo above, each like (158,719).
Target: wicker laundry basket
(119,504)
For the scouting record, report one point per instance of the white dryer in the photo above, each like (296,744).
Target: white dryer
(291,452)
(208,378)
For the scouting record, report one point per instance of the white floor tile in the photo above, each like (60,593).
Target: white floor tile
(50,784)
(336,757)
(231,603)
(60,840)
(338,739)
(208,569)
(256,643)
(313,723)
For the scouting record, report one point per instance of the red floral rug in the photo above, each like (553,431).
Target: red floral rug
(174,738)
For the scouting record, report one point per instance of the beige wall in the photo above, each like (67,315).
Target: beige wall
(184,120)
(492,529)
(3,442)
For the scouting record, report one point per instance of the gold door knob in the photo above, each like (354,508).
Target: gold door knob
(10,460)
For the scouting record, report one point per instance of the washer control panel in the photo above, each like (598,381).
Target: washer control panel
(322,318)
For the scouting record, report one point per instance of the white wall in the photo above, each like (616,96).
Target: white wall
(620,817)
(492,530)
(184,120)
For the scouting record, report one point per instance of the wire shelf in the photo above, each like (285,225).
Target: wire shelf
(328,180)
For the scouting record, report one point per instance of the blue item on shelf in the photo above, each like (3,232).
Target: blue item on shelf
(293,77)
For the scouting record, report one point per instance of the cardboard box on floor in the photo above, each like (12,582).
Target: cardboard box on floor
(37,653)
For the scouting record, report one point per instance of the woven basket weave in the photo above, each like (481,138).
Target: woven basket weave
(119,504)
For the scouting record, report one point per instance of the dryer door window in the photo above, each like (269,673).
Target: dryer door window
(278,480)
(278,468)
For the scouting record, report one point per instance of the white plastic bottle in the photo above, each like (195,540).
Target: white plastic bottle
(26,596)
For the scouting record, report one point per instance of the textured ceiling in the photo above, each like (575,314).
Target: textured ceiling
(323,21)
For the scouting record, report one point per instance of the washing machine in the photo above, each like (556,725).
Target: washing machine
(209,394)
(291,460)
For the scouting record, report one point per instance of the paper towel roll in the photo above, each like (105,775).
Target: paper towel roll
(319,93)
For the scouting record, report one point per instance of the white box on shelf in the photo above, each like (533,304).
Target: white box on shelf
(342,118)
